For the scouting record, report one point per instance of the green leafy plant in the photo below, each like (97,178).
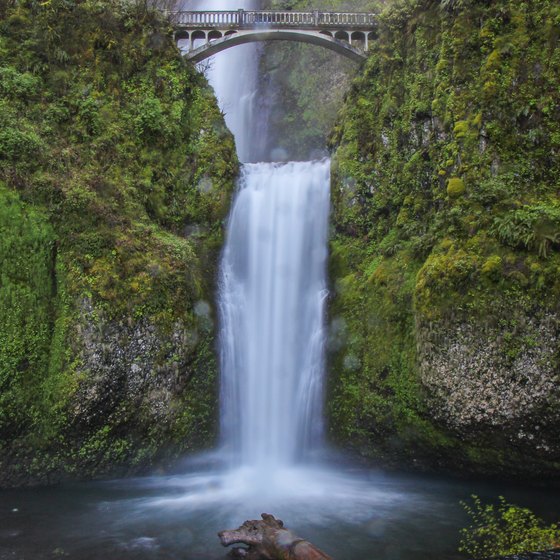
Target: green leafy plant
(503,528)
(533,227)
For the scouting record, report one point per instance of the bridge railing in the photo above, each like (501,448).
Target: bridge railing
(205,19)
(346,19)
(250,18)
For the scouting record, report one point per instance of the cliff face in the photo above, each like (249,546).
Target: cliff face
(445,253)
(116,171)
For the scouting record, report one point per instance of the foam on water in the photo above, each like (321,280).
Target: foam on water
(316,492)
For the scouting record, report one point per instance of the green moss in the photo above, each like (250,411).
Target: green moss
(492,266)
(461,129)
(478,120)
(106,139)
(455,187)
(26,314)
(411,253)
(489,89)
(493,61)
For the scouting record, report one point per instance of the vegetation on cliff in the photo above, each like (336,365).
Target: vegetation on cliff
(445,255)
(115,175)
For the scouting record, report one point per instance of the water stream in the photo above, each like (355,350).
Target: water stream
(234,76)
(353,514)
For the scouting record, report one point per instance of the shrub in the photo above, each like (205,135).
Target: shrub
(150,118)
(16,84)
(532,227)
(505,529)
(16,144)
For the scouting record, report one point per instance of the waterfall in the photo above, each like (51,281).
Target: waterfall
(272,297)
(272,283)
(233,75)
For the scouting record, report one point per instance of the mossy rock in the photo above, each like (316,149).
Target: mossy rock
(106,136)
(455,187)
(454,287)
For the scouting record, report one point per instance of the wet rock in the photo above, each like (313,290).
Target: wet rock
(478,383)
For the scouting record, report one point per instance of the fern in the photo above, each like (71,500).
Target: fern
(536,228)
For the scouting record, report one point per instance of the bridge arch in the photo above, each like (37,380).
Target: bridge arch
(215,34)
(347,33)
(198,35)
(337,44)
(342,36)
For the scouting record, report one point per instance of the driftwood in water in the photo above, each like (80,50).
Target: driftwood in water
(269,540)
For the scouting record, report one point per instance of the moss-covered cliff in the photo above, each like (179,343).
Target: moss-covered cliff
(445,252)
(116,171)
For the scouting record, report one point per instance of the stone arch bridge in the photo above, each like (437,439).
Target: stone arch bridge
(204,34)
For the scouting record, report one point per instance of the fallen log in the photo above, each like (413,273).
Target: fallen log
(269,540)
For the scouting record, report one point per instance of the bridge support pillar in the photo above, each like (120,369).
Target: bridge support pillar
(240,16)
(316,18)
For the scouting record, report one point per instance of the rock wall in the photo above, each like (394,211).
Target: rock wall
(445,250)
(302,87)
(116,172)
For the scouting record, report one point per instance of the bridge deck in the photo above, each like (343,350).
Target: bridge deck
(242,19)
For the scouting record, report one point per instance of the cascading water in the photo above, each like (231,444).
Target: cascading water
(272,283)
(272,297)
(233,75)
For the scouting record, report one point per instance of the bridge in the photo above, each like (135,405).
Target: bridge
(204,34)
